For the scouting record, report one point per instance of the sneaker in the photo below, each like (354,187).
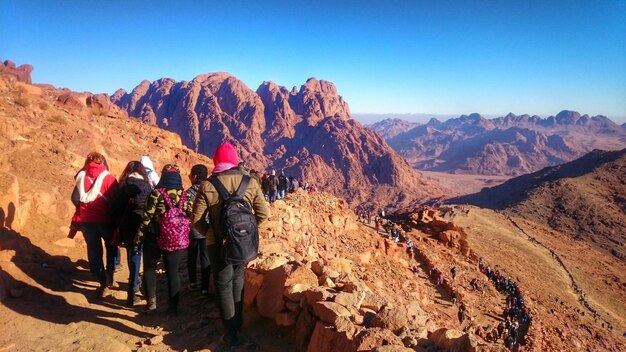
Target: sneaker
(151,306)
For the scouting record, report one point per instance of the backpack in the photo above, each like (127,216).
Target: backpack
(240,241)
(175,225)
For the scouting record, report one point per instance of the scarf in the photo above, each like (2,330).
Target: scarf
(170,180)
(94,191)
(222,167)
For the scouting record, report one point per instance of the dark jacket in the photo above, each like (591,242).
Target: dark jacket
(209,199)
(193,191)
(129,205)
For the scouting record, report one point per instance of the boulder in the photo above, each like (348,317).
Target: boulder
(253,282)
(329,312)
(371,338)
(326,338)
(304,328)
(410,316)
(286,319)
(317,294)
(453,340)
(348,300)
(270,297)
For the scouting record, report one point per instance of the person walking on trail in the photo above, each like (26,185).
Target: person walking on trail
(453,272)
(130,202)
(93,192)
(197,244)
(147,163)
(228,278)
(159,238)
(462,314)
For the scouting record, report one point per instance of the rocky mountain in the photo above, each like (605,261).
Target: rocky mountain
(304,132)
(510,145)
(392,127)
(585,198)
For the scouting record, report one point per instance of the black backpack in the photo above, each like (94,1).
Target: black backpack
(240,241)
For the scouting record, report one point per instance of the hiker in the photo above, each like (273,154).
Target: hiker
(295,184)
(462,313)
(453,297)
(156,238)
(130,202)
(147,163)
(265,187)
(273,184)
(94,188)
(197,243)
(282,185)
(453,272)
(228,278)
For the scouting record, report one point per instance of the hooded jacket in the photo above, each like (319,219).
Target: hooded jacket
(208,199)
(95,187)
(147,163)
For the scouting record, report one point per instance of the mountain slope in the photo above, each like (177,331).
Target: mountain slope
(585,198)
(510,145)
(389,128)
(305,133)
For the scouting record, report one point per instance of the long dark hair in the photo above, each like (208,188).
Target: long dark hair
(134,166)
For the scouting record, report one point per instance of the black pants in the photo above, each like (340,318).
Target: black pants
(229,286)
(151,255)
(198,246)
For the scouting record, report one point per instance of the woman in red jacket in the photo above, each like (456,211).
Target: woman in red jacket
(94,187)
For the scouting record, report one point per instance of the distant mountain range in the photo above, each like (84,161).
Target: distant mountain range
(585,198)
(306,133)
(511,145)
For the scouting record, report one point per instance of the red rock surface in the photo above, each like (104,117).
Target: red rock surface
(305,133)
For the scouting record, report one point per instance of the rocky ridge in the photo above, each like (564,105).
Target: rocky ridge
(305,133)
(585,198)
(510,145)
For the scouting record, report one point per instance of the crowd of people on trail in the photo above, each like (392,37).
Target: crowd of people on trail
(515,313)
(156,220)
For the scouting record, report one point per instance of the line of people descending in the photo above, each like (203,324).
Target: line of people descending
(156,219)
(515,313)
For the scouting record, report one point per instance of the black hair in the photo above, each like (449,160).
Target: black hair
(134,166)
(200,171)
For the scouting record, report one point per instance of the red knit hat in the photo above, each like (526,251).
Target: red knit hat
(225,153)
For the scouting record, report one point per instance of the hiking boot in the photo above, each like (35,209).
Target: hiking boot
(151,306)
(102,292)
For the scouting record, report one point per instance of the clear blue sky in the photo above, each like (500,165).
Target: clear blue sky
(439,57)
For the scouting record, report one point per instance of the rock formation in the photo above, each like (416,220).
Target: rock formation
(305,133)
(19,74)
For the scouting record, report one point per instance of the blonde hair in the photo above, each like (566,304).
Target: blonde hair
(96,158)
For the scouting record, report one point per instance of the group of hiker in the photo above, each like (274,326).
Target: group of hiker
(276,187)
(515,312)
(155,217)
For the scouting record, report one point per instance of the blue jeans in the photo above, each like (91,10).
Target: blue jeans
(94,234)
(134,263)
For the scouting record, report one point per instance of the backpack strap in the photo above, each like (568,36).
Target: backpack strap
(243,186)
(166,197)
(221,190)
(181,201)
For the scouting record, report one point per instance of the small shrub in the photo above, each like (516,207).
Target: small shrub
(58,118)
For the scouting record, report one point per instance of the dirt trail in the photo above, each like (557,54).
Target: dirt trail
(55,308)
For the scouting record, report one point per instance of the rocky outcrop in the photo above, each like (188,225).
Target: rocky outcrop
(20,73)
(306,133)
